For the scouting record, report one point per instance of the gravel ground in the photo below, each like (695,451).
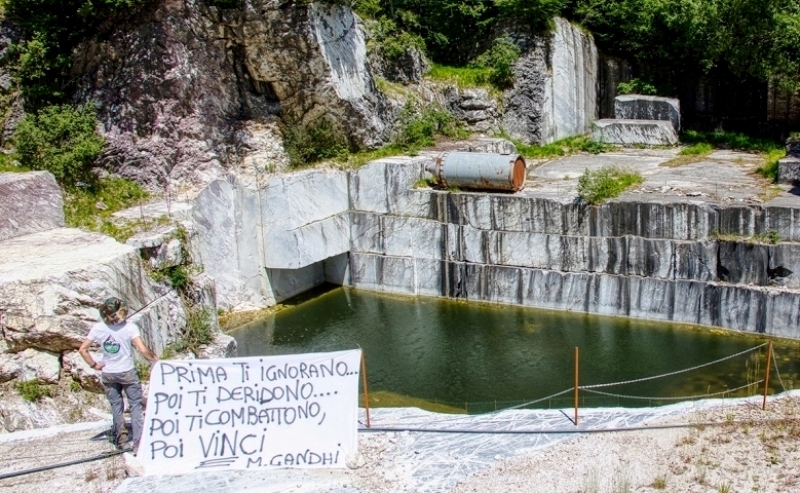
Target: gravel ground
(92,477)
(750,451)
(745,450)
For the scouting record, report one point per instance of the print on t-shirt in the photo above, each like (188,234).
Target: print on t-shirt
(110,345)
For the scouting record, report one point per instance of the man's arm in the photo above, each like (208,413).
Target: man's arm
(142,347)
(84,352)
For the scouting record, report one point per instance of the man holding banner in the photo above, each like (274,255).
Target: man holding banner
(116,335)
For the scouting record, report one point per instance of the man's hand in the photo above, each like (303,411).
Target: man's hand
(84,352)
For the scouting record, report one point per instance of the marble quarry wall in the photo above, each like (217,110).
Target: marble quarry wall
(555,93)
(371,229)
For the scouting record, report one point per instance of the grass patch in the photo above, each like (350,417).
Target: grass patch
(730,140)
(770,168)
(771,237)
(424,183)
(771,150)
(358,159)
(688,155)
(91,208)
(681,161)
(770,193)
(699,149)
(462,77)
(8,165)
(608,182)
(393,89)
(33,390)
(563,147)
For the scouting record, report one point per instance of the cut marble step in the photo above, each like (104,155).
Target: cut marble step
(634,132)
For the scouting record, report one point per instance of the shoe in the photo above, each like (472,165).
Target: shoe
(125,446)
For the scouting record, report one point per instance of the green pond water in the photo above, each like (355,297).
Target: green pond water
(449,356)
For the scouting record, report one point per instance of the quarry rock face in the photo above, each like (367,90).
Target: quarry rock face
(176,87)
(554,94)
(640,107)
(258,258)
(188,92)
(474,107)
(658,259)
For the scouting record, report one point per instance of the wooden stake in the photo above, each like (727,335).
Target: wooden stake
(766,375)
(576,385)
(364,380)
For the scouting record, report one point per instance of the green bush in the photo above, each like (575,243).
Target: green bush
(417,128)
(33,390)
(308,144)
(608,182)
(637,86)
(61,140)
(500,60)
(143,370)
(179,276)
(197,333)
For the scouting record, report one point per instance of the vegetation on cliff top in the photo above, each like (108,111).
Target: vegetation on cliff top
(50,30)
(667,40)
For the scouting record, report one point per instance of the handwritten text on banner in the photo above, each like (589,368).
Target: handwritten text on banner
(245,413)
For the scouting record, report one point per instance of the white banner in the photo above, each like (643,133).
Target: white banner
(297,410)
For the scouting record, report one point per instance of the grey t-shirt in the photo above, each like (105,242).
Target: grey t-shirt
(115,344)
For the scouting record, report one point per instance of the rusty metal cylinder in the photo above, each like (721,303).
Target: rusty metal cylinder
(479,170)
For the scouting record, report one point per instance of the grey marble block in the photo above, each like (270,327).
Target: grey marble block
(641,107)
(634,132)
